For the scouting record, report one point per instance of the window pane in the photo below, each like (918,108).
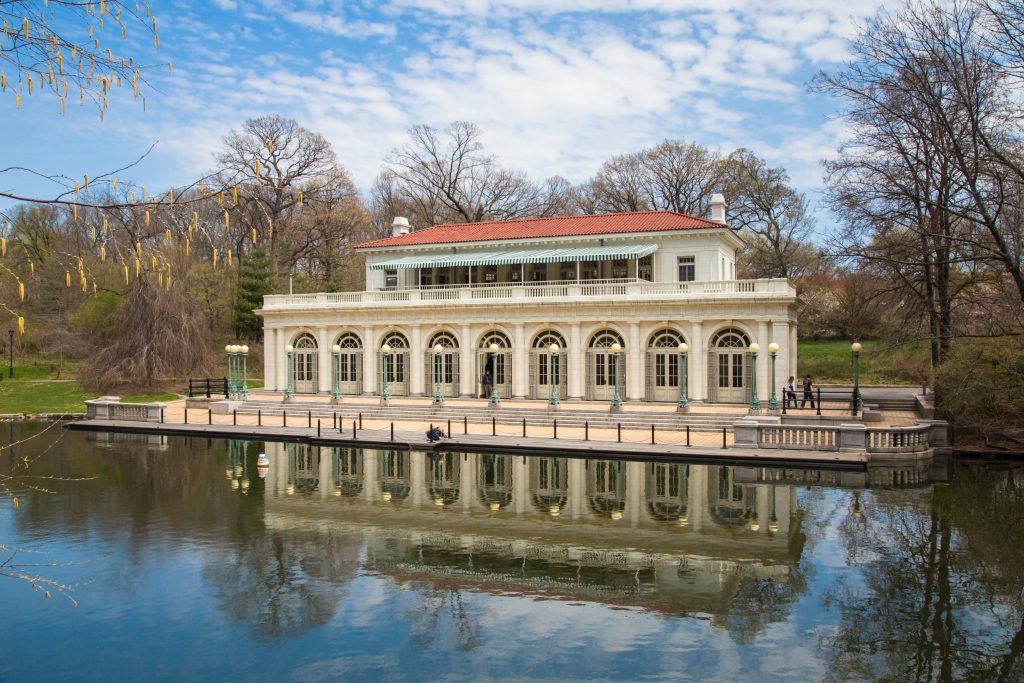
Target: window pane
(723,371)
(737,370)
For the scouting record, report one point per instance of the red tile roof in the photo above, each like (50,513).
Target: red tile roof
(557,226)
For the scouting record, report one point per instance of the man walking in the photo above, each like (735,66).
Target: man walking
(808,392)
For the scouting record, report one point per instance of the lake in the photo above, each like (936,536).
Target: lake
(190,561)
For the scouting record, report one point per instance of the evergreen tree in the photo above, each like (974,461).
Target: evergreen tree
(255,280)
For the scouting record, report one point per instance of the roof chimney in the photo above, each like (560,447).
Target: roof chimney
(718,208)
(400,226)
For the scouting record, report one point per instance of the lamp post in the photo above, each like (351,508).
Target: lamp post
(438,394)
(683,405)
(552,379)
(10,346)
(385,395)
(856,348)
(289,390)
(616,399)
(494,400)
(335,374)
(755,402)
(773,403)
(244,390)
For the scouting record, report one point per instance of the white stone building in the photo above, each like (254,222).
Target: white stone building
(646,281)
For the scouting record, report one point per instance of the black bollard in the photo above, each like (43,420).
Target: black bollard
(554,423)
(284,417)
(819,401)
(334,421)
(353,429)
(449,432)
(723,438)
(586,430)
(687,435)
(360,420)
(465,425)
(259,418)
(620,432)
(209,416)
(309,419)
(318,428)
(234,417)
(494,427)
(652,435)
(186,415)
(524,427)
(392,431)
(161,415)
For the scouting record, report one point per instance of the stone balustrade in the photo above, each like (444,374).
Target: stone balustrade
(854,437)
(111,408)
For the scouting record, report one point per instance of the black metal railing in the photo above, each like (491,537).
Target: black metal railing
(208,386)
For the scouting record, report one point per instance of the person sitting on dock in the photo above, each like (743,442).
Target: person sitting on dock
(435,434)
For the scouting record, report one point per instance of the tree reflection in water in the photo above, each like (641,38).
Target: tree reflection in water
(939,593)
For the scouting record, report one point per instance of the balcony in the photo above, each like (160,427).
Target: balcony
(573,292)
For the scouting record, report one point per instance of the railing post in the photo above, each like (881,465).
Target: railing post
(465,425)
(554,424)
(186,414)
(652,434)
(284,417)
(353,429)
(360,420)
(620,431)
(724,442)
(524,427)
(392,431)
(687,435)
(449,432)
(309,419)
(586,430)
(234,417)
(318,428)
(259,417)
(494,427)
(209,416)
(819,401)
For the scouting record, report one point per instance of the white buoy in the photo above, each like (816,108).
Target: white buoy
(263,460)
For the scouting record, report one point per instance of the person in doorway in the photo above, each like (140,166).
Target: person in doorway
(488,383)
(808,392)
(789,393)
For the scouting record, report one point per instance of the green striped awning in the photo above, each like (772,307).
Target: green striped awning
(497,258)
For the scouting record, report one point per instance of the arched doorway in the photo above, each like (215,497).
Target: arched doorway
(494,474)
(605,367)
(606,488)
(305,365)
(348,472)
(500,363)
(667,491)
(397,363)
(393,474)
(549,484)
(350,364)
(729,367)
(730,504)
(662,367)
(443,478)
(303,467)
(444,366)
(548,369)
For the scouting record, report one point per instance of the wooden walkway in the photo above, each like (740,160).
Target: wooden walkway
(534,445)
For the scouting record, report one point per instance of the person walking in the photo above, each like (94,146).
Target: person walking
(789,394)
(808,392)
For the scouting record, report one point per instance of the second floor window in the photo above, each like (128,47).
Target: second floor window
(390,279)
(644,268)
(687,269)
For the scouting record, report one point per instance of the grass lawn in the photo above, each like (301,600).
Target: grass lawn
(830,361)
(41,396)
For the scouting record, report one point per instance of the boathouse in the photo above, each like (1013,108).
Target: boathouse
(570,306)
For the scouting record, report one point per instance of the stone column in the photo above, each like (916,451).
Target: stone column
(270,358)
(696,364)
(283,369)
(323,360)
(520,362)
(634,365)
(762,361)
(467,372)
(370,373)
(416,358)
(575,354)
(794,367)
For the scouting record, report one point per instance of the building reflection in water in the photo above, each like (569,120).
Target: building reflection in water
(670,536)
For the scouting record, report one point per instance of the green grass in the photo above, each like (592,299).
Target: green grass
(150,398)
(830,361)
(33,396)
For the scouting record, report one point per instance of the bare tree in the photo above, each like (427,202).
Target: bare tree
(445,176)
(775,217)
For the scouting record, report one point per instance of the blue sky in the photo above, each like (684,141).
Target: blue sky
(557,86)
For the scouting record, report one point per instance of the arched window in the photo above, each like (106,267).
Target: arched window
(665,339)
(395,340)
(495,337)
(445,339)
(548,337)
(349,341)
(730,338)
(305,341)
(605,338)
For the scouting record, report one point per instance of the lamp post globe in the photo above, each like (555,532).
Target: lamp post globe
(773,402)
(683,404)
(616,397)
(755,402)
(438,394)
(244,348)
(552,380)
(494,400)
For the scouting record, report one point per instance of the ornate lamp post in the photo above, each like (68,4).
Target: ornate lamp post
(755,402)
(289,390)
(683,405)
(335,374)
(494,400)
(438,394)
(773,403)
(616,398)
(856,348)
(244,389)
(385,395)
(553,400)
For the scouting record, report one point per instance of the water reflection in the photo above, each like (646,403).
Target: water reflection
(909,573)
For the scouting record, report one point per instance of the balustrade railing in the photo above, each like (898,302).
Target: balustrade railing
(799,437)
(899,439)
(533,291)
